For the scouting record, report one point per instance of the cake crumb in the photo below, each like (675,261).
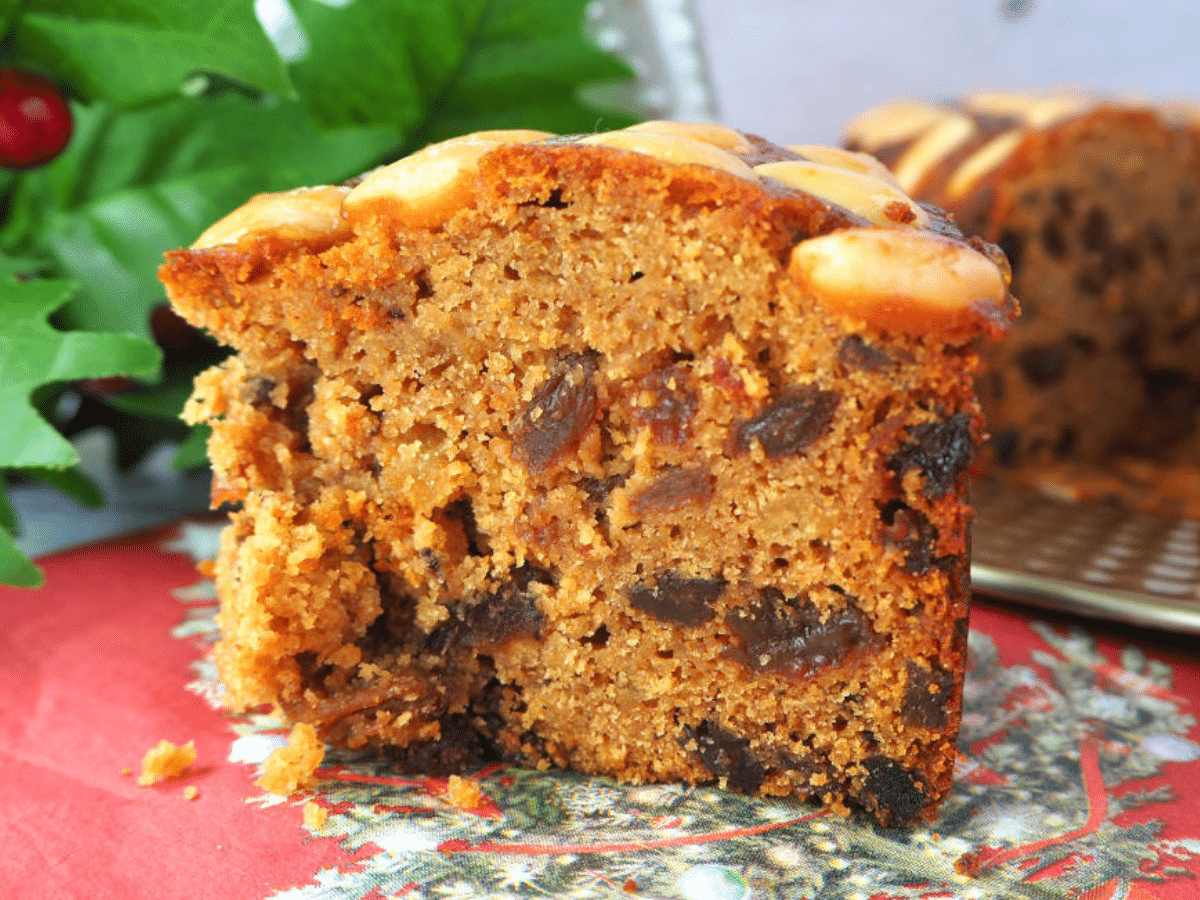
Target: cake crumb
(315,815)
(127,771)
(291,766)
(165,760)
(190,792)
(630,886)
(462,793)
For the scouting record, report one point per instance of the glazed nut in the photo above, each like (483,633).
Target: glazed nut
(894,123)
(862,163)
(298,214)
(672,148)
(720,136)
(875,200)
(424,189)
(935,145)
(900,280)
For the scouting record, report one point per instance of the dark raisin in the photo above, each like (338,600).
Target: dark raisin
(598,639)
(856,353)
(494,619)
(1053,239)
(792,423)
(1043,365)
(893,792)
(940,450)
(459,748)
(681,601)
(1005,445)
(673,490)
(926,695)
(726,755)
(1012,244)
(559,415)
(1095,233)
(910,532)
(674,404)
(790,636)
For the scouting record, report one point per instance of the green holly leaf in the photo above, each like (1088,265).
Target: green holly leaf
(129,52)
(32,353)
(134,184)
(438,69)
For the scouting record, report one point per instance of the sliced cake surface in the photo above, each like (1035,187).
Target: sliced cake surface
(642,453)
(1096,202)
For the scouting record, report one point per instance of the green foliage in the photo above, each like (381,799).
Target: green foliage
(183,110)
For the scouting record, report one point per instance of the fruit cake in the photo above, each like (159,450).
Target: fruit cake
(642,453)
(1096,203)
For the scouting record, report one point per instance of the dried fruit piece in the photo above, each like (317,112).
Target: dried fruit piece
(896,796)
(791,423)
(496,618)
(674,405)
(726,755)
(855,353)
(673,490)
(940,450)
(559,414)
(792,637)
(910,532)
(926,695)
(679,600)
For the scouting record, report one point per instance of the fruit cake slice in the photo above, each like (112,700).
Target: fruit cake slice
(642,453)
(1096,202)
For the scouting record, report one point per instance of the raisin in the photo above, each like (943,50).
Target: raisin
(459,748)
(940,450)
(789,636)
(910,532)
(559,414)
(1053,239)
(494,619)
(674,405)
(892,791)
(726,755)
(1096,233)
(1005,445)
(681,601)
(1042,365)
(673,490)
(926,695)
(792,423)
(1012,244)
(856,353)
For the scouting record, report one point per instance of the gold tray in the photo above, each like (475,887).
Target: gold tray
(1093,558)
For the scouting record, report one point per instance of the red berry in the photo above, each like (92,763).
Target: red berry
(35,121)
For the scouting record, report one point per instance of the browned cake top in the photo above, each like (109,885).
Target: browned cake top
(890,263)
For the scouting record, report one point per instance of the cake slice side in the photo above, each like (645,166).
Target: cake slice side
(577,461)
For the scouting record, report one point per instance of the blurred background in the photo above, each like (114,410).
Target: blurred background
(149,165)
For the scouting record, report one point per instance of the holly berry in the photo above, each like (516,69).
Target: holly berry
(35,121)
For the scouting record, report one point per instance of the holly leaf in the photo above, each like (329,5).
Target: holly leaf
(129,52)
(32,353)
(134,184)
(437,69)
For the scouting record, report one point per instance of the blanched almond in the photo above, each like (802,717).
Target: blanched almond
(301,213)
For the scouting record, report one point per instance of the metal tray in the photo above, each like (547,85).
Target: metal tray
(1093,558)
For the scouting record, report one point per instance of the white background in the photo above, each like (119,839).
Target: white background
(796,71)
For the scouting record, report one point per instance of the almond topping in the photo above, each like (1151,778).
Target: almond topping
(902,280)
(870,197)
(298,214)
(673,148)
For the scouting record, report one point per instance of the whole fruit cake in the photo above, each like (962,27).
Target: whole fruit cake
(642,453)
(1096,202)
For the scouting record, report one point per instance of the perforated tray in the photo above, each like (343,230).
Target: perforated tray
(1089,557)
